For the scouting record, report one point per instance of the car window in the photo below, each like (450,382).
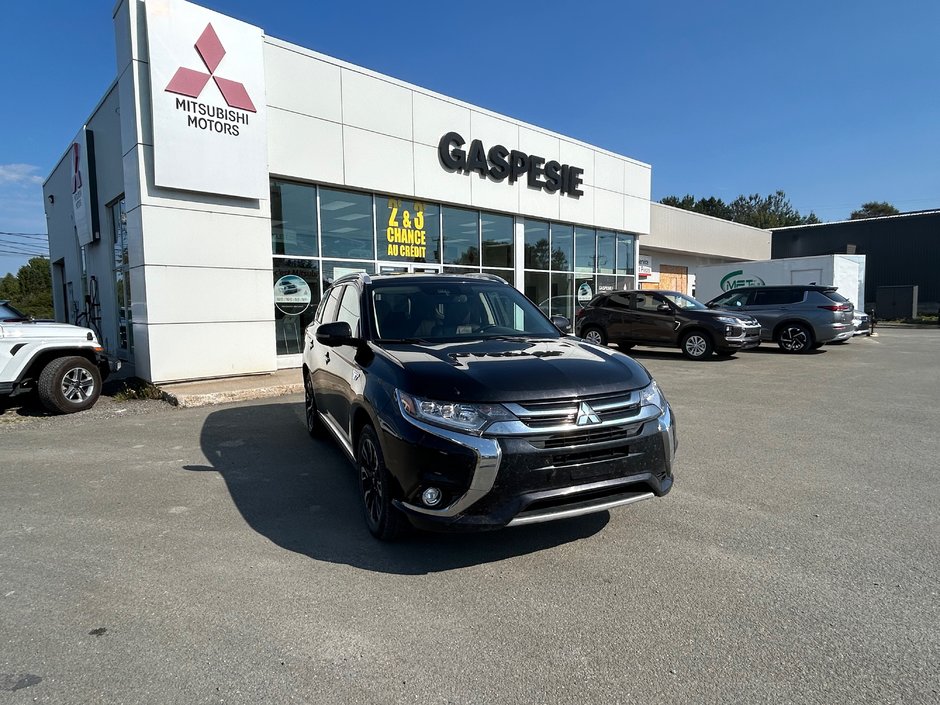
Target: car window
(8,313)
(777,297)
(734,299)
(440,310)
(618,301)
(647,302)
(327,311)
(683,301)
(836,296)
(348,311)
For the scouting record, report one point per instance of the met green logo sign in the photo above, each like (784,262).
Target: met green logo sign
(736,279)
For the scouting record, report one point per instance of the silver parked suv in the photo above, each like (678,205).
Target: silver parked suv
(798,318)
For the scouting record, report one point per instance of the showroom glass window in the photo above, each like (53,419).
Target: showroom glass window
(293,219)
(461,236)
(498,239)
(537,247)
(408,230)
(346,224)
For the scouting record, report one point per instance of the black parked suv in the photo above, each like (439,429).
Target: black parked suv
(464,407)
(665,318)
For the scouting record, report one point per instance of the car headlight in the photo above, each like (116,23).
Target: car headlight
(460,416)
(730,320)
(653,396)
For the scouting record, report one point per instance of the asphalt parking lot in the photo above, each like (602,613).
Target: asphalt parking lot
(160,555)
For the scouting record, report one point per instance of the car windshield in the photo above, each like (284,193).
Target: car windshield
(683,301)
(8,313)
(439,310)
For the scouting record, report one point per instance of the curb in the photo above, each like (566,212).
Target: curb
(183,400)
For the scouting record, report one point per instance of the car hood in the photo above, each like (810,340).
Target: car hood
(514,369)
(44,330)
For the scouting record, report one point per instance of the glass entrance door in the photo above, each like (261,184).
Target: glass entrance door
(407,268)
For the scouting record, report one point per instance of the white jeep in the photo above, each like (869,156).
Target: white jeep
(65,364)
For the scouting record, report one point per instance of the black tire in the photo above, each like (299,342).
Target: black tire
(594,335)
(385,522)
(315,426)
(795,338)
(69,384)
(697,345)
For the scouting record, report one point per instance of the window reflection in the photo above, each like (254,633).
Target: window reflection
(562,247)
(296,295)
(461,236)
(293,219)
(584,250)
(536,245)
(497,240)
(346,224)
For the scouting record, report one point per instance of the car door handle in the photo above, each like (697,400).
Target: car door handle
(327,358)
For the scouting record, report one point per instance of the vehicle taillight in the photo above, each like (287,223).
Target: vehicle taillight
(840,307)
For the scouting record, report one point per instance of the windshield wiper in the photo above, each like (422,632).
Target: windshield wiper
(409,341)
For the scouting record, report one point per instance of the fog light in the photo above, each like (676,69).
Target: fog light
(431,496)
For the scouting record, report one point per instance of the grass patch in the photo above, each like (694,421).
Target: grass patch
(136,388)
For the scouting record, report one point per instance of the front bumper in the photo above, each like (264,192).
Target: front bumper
(741,338)
(515,480)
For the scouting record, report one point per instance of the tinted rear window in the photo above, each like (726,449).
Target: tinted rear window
(776,297)
(836,296)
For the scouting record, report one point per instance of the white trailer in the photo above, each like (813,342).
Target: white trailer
(847,272)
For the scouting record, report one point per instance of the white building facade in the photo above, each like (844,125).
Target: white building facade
(227,177)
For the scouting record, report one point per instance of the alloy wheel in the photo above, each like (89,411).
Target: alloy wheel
(78,385)
(696,345)
(370,480)
(594,336)
(794,338)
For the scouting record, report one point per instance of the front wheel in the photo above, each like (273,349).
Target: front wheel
(795,338)
(375,488)
(595,336)
(69,384)
(696,345)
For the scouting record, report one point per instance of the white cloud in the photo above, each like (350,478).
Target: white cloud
(19,174)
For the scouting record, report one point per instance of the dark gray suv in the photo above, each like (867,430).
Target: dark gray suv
(798,318)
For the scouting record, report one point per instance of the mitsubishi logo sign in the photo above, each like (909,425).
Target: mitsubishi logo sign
(208,100)
(190,83)
(587,415)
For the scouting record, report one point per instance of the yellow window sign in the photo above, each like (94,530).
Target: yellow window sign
(405,235)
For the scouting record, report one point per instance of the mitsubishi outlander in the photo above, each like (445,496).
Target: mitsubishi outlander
(463,407)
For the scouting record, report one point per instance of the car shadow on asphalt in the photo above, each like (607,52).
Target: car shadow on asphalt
(302,494)
(665,354)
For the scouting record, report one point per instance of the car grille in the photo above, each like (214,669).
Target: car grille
(545,414)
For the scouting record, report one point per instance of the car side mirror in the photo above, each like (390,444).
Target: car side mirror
(711,304)
(561,323)
(664,308)
(335,334)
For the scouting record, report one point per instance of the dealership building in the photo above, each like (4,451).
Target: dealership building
(227,177)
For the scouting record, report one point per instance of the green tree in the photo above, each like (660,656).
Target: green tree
(771,211)
(874,209)
(9,288)
(31,290)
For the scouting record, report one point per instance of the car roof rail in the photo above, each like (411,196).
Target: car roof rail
(487,276)
(354,276)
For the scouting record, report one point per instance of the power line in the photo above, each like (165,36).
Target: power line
(26,236)
(24,253)
(44,235)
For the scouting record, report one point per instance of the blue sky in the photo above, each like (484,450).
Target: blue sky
(836,102)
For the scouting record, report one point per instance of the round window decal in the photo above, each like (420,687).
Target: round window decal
(585,294)
(291,295)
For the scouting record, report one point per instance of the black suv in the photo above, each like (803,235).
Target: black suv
(665,318)
(464,407)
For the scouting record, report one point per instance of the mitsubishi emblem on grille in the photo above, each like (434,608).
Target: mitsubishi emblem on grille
(587,415)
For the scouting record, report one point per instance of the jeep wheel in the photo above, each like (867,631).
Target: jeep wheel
(375,487)
(595,336)
(696,345)
(69,384)
(314,423)
(795,338)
